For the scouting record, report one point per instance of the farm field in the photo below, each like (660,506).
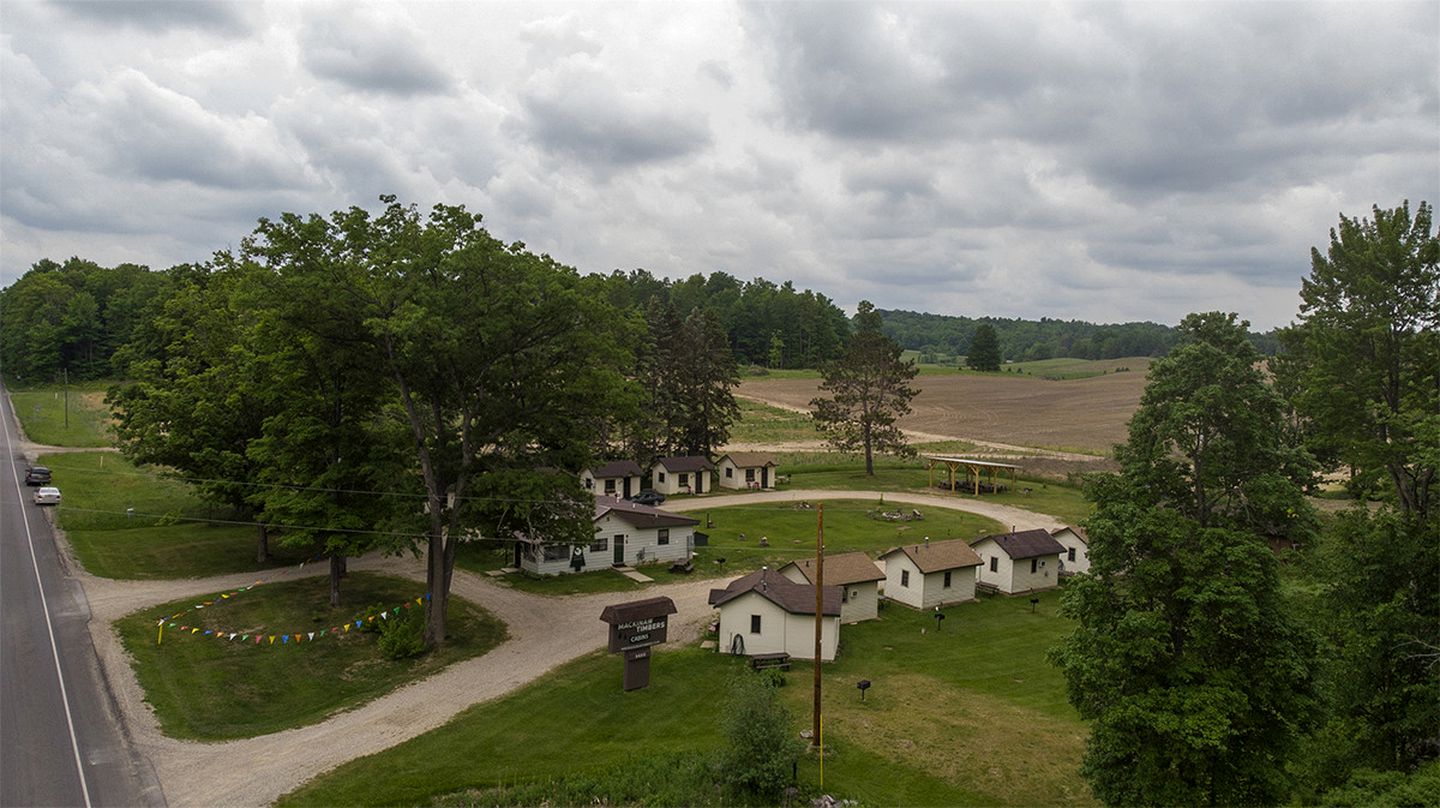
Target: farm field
(969,715)
(1086,415)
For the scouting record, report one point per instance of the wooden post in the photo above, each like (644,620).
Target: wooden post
(819,621)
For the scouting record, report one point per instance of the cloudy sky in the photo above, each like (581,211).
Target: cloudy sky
(1099,161)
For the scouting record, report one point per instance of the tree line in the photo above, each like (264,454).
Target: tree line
(941,337)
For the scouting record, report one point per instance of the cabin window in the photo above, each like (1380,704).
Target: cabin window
(1070,554)
(994,563)
(599,545)
(589,483)
(754,624)
(664,535)
(556,552)
(684,480)
(947,579)
(659,476)
(729,472)
(749,475)
(904,577)
(610,486)
(1034,564)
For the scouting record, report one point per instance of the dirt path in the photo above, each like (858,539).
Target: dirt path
(545,632)
(1009,449)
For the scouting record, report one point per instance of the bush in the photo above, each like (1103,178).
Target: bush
(772,677)
(762,748)
(373,610)
(401,636)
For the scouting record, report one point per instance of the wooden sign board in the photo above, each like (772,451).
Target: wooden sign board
(634,628)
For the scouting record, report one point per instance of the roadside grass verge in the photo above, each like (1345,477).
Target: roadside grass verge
(42,413)
(172,533)
(211,689)
(969,715)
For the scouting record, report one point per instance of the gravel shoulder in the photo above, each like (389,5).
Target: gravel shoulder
(545,633)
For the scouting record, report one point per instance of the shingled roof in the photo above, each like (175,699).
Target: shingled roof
(617,468)
(783,592)
(747,460)
(840,570)
(641,516)
(938,556)
(1025,544)
(691,463)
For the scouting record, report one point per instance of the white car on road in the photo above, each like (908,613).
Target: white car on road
(47,495)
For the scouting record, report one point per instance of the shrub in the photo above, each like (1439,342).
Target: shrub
(761,748)
(367,626)
(401,636)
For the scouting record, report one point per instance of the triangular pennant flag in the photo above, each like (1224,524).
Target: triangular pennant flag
(427,595)
(284,638)
(208,632)
(193,630)
(347,625)
(172,625)
(232,635)
(357,625)
(384,615)
(418,601)
(312,635)
(272,639)
(370,619)
(244,637)
(407,604)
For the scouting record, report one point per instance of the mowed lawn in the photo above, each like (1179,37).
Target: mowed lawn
(971,715)
(170,534)
(207,688)
(43,410)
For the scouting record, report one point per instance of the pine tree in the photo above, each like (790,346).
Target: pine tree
(870,391)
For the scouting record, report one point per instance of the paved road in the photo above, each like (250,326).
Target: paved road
(61,742)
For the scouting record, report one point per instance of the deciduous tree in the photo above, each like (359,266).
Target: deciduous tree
(869,391)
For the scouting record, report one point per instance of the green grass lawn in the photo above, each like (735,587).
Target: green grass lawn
(970,715)
(42,412)
(791,532)
(172,534)
(210,689)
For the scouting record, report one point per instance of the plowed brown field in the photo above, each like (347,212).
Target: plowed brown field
(1087,415)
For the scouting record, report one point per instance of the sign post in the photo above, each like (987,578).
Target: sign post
(634,628)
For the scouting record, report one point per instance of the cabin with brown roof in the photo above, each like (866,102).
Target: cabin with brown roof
(766,613)
(752,470)
(1019,562)
(857,576)
(618,478)
(626,534)
(930,574)
(1076,557)
(682,475)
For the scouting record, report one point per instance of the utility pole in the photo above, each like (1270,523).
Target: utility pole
(817,727)
(67,396)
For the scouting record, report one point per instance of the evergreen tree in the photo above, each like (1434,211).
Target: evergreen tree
(1195,680)
(870,390)
(984,349)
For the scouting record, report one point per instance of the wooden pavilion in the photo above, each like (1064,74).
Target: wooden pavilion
(973,467)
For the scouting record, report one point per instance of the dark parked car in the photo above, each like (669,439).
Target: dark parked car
(648,497)
(37,475)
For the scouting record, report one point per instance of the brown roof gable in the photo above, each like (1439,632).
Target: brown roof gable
(680,464)
(1025,544)
(783,592)
(747,460)
(617,468)
(840,570)
(641,516)
(938,555)
(1078,531)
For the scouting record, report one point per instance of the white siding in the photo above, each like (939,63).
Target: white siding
(636,540)
(671,483)
(896,564)
(862,602)
(736,475)
(780,631)
(1070,541)
(926,591)
(1011,577)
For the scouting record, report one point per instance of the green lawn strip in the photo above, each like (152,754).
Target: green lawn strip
(576,720)
(969,715)
(42,413)
(764,424)
(790,532)
(211,689)
(171,534)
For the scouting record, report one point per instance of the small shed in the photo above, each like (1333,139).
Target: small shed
(930,574)
(754,470)
(1076,557)
(766,613)
(857,576)
(618,478)
(682,475)
(1019,562)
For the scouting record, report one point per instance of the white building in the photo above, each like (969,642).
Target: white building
(625,534)
(618,478)
(682,475)
(766,613)
(857,576)
(1076,557)
(1019,562)
(753,470)
(930,574)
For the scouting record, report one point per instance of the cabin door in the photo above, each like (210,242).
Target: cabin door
(619,543)
(628,492)
(764,476)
